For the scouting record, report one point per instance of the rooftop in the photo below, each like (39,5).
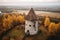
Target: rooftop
(31,15)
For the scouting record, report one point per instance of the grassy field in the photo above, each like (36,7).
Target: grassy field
(18,33)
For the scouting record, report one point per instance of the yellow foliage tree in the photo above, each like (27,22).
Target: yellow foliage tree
(57,26)
(14,17)
(46,22)
(52,27)
(7,20)
(20,19)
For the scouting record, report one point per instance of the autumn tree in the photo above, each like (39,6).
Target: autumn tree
(46,22)
(14,17)
(20,19)
(52,27)
(7,20)
(57,26)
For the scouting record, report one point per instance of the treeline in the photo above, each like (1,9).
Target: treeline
(52,27)
(9,19)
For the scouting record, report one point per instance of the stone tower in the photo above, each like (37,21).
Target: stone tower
(31,23)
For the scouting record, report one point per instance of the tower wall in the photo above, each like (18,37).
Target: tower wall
(29,25)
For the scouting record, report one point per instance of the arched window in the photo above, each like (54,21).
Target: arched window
(28,32)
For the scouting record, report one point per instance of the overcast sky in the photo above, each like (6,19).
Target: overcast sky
(29,2)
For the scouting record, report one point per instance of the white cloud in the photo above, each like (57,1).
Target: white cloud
(29,0)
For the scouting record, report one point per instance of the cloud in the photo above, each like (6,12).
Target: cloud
(29,2)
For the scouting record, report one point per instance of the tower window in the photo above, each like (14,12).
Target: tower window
(30,25)
(28,33)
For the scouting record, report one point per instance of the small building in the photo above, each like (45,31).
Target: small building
(31,23)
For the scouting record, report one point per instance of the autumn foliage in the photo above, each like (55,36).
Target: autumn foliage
(46,22)
(52,27)
(57,26)
(20,19)
(9,18)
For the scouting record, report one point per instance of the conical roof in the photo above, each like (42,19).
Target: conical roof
(31,15)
